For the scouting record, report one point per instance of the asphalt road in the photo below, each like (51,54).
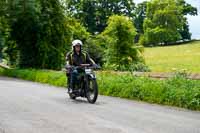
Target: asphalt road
(27,107)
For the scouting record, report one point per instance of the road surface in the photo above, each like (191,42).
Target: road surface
(27,107)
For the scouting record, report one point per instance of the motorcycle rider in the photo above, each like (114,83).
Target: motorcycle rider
(76,57)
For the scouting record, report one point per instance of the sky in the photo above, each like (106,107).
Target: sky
(194,21)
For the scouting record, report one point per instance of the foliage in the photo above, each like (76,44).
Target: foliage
(94,14)
(176,91)
(75,31)
(44,36)
(4,27)
(11,52)
(24,15)
(43,76)
(52,39)
(139,67)
(84,11)
(162,23)
(186,9)
(139,16)
(3,37)
(93,46)
(121,50)
(165,21)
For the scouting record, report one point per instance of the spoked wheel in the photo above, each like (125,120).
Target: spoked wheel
(92,91)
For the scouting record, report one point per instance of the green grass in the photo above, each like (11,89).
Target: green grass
(176,91)
(170,58)
(55,78)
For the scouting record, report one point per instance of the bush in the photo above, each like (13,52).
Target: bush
(56,78)
(94,48)
(139,67)
(177,91)
(121,51)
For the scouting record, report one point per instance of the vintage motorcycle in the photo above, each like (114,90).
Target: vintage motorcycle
(83,83)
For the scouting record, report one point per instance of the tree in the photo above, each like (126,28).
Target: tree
(53,35)
(94,14)
(93,46)
(2,35)
(186,9)
(163,23)
(139,16)
(40,33)
(23,20)
(84,11)
(121,52)
(75,31)
(185,30)
(108,8)
(3,26)
(38,28)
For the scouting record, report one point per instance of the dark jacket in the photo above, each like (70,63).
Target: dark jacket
(73,59)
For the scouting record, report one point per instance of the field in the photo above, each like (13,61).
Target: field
(174,58)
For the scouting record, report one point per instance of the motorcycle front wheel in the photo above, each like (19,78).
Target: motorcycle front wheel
(92,91)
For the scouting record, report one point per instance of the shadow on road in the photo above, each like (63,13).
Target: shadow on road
(84,101)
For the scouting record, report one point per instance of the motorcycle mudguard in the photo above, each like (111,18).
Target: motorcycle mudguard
(92,76)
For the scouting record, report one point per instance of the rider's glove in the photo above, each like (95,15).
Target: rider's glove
(68,68)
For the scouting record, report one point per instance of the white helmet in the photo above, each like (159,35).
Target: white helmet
(77,42)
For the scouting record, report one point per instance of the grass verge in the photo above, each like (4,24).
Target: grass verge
(177,91)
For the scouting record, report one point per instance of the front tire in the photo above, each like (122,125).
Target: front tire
(92,91)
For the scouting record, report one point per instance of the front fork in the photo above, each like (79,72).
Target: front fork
(86,81)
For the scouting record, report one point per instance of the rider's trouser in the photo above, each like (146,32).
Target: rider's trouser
(68,79)
(73,77)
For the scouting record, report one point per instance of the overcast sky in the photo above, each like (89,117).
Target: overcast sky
(194,21)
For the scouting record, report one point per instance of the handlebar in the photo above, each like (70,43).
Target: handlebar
(86,66)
